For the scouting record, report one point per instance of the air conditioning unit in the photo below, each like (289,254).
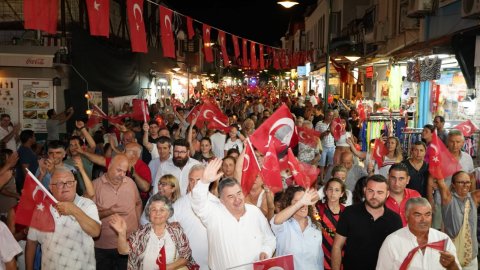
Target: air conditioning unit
(419,8)
(470,8)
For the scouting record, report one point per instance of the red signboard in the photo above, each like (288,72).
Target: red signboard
(369,72)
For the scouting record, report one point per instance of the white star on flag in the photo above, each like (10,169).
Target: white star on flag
(435,159)
(96,5)
(294,172)
(40,207)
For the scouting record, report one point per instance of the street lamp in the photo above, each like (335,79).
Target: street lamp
(287,3)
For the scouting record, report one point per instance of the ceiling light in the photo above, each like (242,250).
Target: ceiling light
(287,3)
(352,58)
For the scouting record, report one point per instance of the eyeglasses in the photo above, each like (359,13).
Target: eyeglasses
(463,183)
(180,152)
(63,184)
(164,184)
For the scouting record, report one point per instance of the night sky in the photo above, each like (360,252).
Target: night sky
(262,21)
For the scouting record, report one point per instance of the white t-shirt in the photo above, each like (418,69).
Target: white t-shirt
(11,144)
(218,144)
(9,247)
(234,144)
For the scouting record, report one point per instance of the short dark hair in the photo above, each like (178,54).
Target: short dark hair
(26,135)
(441,118)
(227,182)
(420,143)
(56,144)
(400,167)
(455,175)
(3,115)
(289,194)
(153,122)
(232,151)
(80,141)
(50,113)
(164,139)
(181,142)
(376,178)
(430,127)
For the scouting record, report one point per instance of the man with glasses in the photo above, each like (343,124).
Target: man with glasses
(76,218)
(459,212)
(180,164)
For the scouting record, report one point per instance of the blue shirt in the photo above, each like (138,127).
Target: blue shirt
(306,246)
(48,176)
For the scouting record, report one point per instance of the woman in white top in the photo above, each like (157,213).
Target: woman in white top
(394,155)
(158,244)
(341,144)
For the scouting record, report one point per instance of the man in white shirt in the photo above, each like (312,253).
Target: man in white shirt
(179,165)
(238,233)
(191,224)
(8,133)
(162,147)
(9,249)
(400,243)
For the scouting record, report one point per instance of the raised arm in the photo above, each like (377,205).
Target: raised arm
(239,165)
(145,141)
(91,142)
(189,136)
(63,117)
(97,159)
(200,203)
(444,191)
(89,190)
(288,212)
(120,226)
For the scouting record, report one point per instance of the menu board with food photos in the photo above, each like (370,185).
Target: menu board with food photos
(9,98)
(36,98)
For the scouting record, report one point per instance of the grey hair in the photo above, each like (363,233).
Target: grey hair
(227,182)
(158,198)
(63,170)
(420,201)
(455,132)
(196,167)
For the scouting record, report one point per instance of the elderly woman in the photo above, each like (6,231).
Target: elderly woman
(158,244)
(297,232)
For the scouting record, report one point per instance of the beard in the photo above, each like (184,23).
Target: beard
(180,162)
(374,203)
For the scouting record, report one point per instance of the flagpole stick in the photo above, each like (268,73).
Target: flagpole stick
(143,112)
(253,151)
(42,187)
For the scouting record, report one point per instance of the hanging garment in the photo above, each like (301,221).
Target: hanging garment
(430,69)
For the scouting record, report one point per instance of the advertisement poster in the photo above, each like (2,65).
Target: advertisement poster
(36,98)
(9,98)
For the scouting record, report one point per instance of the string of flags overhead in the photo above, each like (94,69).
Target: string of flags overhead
(43,15)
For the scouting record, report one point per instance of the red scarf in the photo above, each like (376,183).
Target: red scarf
(439,245)
(162,259)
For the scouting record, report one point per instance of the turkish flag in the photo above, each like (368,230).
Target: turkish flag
(34,207)
(99,17)
(271,170)
(96,116)
(337,128)
(361,112)
(441,162)
(276,59)
(168,42)
(308,136)
(138,37)
(283,262)
(262,60)
(304,174)
(41,15)
(236,48)
(194,112)
(223,46)
(244,53)
(279,127)
(207,47)
(190,30)
(253,55)
(250,168)
(467,128)
(160,121)
(140,110)
(214,117)
(379,151)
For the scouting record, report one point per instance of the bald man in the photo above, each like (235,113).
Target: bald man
(76,219)
(354,171)
(115,193)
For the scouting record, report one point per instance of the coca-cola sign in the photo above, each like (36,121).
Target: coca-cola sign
(26,60)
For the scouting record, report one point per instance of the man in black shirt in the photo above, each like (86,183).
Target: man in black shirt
(363,227)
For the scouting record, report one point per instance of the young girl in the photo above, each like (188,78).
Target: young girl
(233,140)
(328,214)
(206,153)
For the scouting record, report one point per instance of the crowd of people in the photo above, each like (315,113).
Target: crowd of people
(167,194)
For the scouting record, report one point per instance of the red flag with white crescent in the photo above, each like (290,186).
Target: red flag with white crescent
(140,110)
(168,42)
(99,17)
(41,15)
(337,128)
(207,47)
(308,136)
(253,55)
(271,170)
(279,127)
(282,262)
(34,207)
(441,162)
(190,30)
(244,53)
(467,128)
(250,168)
(138,37)
(236,48)
(214,117)
(305,175)
(379,151)
(223,46)
(262,60)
